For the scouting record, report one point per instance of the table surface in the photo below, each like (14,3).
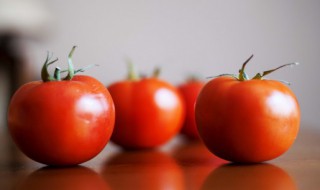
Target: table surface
(180,164)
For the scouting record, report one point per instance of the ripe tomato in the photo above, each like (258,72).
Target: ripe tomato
(244,120)
(190,91)
(149,111)
(61,122)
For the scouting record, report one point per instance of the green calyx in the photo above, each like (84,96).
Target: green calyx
(134,76)
(71,71)
(47,77)
(242,76)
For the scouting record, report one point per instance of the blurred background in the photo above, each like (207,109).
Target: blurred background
(183,37)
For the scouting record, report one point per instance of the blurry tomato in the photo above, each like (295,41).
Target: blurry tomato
(149,112)
(143,170)
(190,91)
(247,120)
(61,121)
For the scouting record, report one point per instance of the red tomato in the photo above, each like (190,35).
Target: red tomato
(61,122)
(190,91)
(244,120)
(149,111)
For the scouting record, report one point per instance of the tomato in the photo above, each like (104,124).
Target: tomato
(61,122)
(243,120)
(149,111)
(190,91)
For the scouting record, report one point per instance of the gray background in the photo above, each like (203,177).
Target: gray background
(203,37)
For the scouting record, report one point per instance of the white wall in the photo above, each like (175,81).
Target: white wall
(205,37)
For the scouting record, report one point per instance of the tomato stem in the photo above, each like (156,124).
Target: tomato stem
(132,75)
(156,72)
(45,75)
(85,68)
(242,74)
(259,76)
(57,75)
(193,78)
(71,72)
(223,75)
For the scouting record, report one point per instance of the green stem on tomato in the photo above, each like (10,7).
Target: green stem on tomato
(57,74)
(85,68)
(242,74)
(259,76)
(45,75)
(192,78)
(156,72)
(132,74)
(70,65)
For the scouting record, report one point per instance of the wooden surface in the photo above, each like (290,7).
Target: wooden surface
(177,165)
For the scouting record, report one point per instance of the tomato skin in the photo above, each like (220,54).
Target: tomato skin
(190,91)
(247,121)
(149,112)
(61,122)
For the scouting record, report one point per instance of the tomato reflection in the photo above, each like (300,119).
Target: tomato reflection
(257,176)
(197,162)
(79,178)
(143,170)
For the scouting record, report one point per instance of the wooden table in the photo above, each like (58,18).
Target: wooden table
(177,165)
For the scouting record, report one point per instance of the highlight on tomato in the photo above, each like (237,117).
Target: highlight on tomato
(61,121)
(247,120)
(190,90)
(149,110)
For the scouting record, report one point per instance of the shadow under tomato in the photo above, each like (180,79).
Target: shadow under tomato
(196,162)
(142,170)
(255,176)
(51,178)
